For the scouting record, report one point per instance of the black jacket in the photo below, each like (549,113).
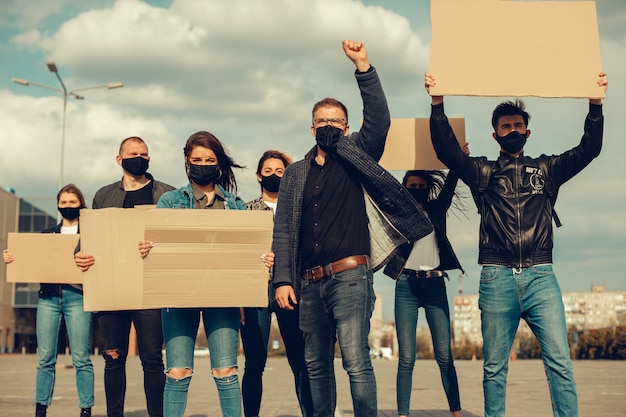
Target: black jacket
(518,199)
(437,212)
(113,195)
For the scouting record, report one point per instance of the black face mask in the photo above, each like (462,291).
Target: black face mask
(203,174)
(327,138)
(419,194)
(271,183)
(136,166)
(513,142)
(69,213)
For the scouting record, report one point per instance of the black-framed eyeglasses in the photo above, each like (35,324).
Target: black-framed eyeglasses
(340,123)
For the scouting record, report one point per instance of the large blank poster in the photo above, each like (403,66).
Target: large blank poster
(200,258)
(115,280)
(409,146)
(207,258)
(515,48)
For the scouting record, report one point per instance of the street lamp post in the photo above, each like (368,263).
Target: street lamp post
(66,94)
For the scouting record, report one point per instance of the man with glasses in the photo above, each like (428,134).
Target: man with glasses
(339,217)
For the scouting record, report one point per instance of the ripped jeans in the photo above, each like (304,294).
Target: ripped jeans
(115,328)
(180,327)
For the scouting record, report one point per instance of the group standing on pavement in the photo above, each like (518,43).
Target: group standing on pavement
(338,218)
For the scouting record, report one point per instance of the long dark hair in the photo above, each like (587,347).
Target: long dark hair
(224,161)
(436,180)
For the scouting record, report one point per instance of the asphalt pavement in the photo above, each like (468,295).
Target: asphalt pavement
(601,389)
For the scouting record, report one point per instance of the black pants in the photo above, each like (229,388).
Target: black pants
(115,328)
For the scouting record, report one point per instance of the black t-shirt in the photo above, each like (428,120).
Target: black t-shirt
(139,197)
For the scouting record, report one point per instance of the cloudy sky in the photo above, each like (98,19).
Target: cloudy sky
(249,71)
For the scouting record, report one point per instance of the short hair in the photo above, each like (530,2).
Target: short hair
(225,162)
(273,154)
(329,102)
(131,139)
(509,108)
(72,189)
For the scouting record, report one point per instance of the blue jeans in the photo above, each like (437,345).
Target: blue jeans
(429,293)
(340,305)
(255,338)
(78,323)
(506,295)
(115,328)
(180,327)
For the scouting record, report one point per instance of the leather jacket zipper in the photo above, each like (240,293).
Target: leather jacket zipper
(519,216)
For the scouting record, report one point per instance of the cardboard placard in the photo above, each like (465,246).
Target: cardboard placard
(515,48)
(200,258)
(115,280)
(43,258)
(409,146)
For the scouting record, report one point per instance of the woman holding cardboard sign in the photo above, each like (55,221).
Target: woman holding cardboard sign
(63,301)
(211,178)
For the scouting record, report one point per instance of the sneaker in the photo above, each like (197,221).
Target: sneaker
(40,410)
(85,412)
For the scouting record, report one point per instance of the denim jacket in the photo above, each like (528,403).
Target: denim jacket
(183,198)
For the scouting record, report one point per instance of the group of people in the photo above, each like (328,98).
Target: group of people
(338,218)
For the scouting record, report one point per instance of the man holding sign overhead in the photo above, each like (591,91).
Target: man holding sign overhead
(515,196)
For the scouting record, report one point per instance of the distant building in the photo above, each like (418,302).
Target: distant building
(583,311)
(18,302)
(466,321)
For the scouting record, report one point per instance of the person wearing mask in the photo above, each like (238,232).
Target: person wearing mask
(339,218)
(211,186)
(63,302)
(255,322)
(515,195)
(421,284)
(137,187)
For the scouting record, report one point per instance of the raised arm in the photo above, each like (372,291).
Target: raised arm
(376,119)
(357,53)
(429,81)
(603,82)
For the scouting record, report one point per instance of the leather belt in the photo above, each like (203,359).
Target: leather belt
(425,274)
(344,264)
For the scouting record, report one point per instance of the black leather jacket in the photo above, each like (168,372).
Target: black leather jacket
(518,199)
(437,212)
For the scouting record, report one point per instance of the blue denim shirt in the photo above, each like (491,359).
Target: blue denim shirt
(183,198)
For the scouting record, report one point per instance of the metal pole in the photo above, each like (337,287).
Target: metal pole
(63,142)
(53,68)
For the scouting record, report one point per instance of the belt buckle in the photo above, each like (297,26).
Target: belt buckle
(315,271)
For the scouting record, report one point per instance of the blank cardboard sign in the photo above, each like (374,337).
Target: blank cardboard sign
(515,48)
(43,258)
(207,258)
(115,280)
(200,258)
(409,146)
